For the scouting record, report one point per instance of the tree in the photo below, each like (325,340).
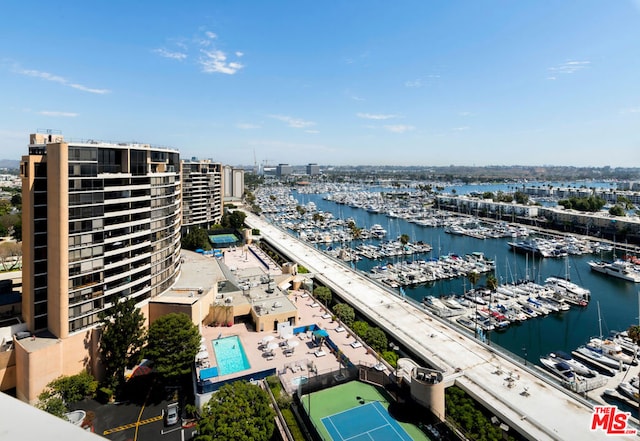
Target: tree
(234,219)
(173,343)
(323,294)
(492,282)
(521,197)
(10,255)
(487,195)
(345,313)
(376,338)
(238,411)
(390,357)
(617,210)
(473,277)
(404,239)
(123,336)
(360,328)
(64,390)
(196,238)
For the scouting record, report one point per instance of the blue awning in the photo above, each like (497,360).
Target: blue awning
(320,333)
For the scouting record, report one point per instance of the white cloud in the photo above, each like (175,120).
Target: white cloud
(210,58)
(56,113)
(569,67)
(399,128)
(312,131)
(375,116)
(58,79)
(413,83)
(89,89)
(216,62)
(293,122)
(169,54)
(248,126)
(461,129)
(630,110)
(464,113)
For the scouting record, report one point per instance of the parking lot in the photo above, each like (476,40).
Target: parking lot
(141,417)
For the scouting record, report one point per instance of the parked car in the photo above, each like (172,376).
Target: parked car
(171,414)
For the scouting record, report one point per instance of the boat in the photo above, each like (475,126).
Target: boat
(559,368)
(598,357)
(578,368)
(629,391)
(569,291)
(452,303)
(622,339)
(611,349)
(608,348)
(467,323)
(434,302)
(620,269)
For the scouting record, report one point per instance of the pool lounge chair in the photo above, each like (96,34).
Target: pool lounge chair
(320,353)
(356,344)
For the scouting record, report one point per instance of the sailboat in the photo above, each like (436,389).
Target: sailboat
(607,347)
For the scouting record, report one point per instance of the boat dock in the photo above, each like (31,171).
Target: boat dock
(517,394)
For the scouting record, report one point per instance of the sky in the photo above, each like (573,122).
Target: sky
(424,82)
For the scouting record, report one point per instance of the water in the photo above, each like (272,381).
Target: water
(566,331)
(230,355)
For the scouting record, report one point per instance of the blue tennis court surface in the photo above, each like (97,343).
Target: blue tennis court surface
(368,422)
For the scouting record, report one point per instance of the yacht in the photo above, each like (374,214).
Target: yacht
(452,303)
(611,349)
(598,357)
(434,302)
(620,269)
(559,368)
(629,391)
(578,368)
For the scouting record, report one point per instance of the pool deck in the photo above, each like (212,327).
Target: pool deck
(297,364)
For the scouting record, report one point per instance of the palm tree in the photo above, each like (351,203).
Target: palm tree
(473,277)
(492,285)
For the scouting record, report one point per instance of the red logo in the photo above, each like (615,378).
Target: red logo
(611,421)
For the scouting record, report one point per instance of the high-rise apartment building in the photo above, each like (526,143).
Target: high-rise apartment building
(233,182)
(101,222)
(202,182)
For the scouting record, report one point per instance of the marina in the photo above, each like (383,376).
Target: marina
(524,394)
(526,338)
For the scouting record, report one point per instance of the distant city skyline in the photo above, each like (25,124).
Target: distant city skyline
(424,83)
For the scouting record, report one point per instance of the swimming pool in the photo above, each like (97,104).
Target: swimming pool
(230,355)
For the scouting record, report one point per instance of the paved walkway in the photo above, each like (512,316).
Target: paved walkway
(523,400)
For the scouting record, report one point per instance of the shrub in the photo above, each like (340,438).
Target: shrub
(104,395)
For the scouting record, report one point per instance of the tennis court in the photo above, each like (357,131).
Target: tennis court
(220,239)
(367,422)
(356,411)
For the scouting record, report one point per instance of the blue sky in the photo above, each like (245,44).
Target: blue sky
(429,82)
